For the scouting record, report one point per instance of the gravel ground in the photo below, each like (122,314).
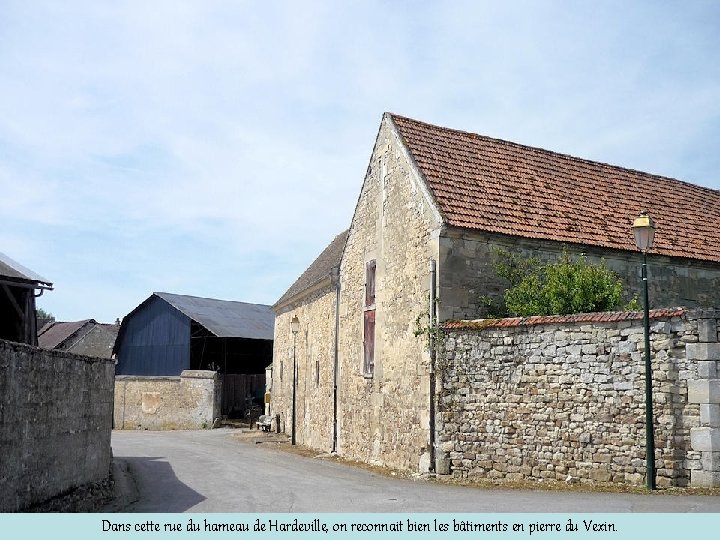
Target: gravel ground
(87,498)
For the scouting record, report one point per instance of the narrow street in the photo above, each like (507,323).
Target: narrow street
(214,471)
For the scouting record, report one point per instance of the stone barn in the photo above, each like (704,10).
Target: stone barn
(434,205)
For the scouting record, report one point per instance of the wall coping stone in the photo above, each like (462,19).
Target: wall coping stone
(54,353)
(198,374)
(609,316)
(122,378)
(705,313)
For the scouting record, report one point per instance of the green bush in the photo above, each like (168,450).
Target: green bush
(568,285)
(565,286)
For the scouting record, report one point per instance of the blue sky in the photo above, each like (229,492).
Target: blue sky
(214,148)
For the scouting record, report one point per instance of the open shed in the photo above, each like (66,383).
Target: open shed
(18,286)
(169,333)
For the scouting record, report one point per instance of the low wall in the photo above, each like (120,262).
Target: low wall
(55,423)
(563,398)
(190,401)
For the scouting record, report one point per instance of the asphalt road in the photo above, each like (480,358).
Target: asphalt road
(212,471)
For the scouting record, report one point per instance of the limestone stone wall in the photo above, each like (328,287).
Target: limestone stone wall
(705,391)
(55,423)
(190,401)
(466,271)
(314,357)
(384,417)
(563,398)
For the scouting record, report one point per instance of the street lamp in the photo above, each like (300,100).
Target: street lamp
(644,229)
(295,328)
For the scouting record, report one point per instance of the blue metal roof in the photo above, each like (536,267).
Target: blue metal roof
(225,318)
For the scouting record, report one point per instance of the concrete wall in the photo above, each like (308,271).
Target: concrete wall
(562,398)
(190,401)
(466,271)
(55,423)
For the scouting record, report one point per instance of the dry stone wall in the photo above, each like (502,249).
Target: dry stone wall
(55,423)
(561,400)
(190,401)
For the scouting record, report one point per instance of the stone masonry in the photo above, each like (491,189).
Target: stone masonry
(190,401)
(314,357)
(562,398)
(384,417)
(467,262)
(705,391)
(55,423)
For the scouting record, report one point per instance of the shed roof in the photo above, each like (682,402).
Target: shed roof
(15,271)
(503,187)
(320,268)
(55,332)
(225,318)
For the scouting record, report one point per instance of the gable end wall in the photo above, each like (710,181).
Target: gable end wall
(384,418)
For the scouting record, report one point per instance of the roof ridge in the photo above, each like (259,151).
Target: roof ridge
(158,293)
(548,151)
(496,186)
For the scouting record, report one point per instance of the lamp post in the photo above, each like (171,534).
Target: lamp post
(294,327)
(644,229)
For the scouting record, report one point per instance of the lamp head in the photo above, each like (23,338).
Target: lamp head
(644,229)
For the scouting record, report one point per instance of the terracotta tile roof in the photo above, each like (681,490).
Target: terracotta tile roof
(503,187)
(320,268)
(610,316)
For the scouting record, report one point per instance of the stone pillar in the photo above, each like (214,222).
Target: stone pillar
(706,392)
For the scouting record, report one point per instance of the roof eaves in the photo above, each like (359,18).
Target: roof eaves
(300,296)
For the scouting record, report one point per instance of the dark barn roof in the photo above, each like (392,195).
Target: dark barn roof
(14,271)
(225,318)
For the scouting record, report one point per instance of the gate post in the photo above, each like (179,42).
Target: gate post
(705,391)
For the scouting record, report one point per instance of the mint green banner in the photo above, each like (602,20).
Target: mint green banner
(375,526)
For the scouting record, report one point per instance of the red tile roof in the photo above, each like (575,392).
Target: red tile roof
(503,187)
(610,316)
